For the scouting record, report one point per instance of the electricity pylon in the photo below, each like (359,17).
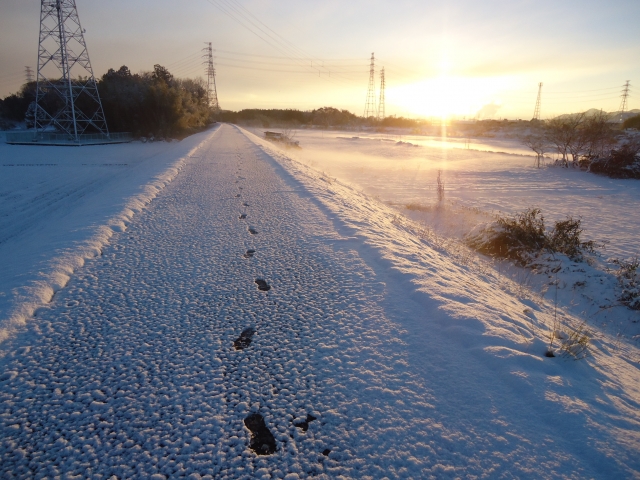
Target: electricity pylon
(212,92)
(536,112)
(63,55)
(370,104)
(623,101)
(381,113)
(28,73)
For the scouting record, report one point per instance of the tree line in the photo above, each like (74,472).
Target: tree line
(326,117)
(149,103)
(587,141)
(156,103)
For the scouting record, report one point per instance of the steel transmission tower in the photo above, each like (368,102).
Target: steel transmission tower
(370,104)
(212,92)
(28,73)
(536,112)
(623,101)
(63,55)
(381,113)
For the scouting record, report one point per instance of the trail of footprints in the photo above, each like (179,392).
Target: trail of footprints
(262,440)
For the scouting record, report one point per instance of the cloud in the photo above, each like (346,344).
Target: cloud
(488,111)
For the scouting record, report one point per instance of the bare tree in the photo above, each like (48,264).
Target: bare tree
(599,135)
(538,143)
(562,133)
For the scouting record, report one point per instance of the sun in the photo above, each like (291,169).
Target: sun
(447,96)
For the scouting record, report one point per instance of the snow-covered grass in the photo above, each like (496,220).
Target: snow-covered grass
(60,205)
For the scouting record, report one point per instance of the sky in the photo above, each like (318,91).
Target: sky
(455,58)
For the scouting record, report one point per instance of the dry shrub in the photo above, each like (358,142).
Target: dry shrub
(629,282)
(523,237)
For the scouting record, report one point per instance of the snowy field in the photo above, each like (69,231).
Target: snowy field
(488,177)
(253,317)
(492,175)
(58,206)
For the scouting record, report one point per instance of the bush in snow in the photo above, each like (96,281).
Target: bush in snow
(523,237)
(629,279)
(623,162)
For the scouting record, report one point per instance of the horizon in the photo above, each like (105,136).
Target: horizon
(458,60)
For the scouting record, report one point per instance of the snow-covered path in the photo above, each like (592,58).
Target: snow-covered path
(233,298)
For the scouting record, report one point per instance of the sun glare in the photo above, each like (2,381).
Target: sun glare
(447,96)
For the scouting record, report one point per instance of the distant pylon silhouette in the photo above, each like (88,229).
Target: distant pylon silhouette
(370,104)
(623,101)
(212,92)
(62,54)
(536,112)
(28,73)
(381,113)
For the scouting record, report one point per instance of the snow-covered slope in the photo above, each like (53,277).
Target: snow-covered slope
(59,205)
(258,303)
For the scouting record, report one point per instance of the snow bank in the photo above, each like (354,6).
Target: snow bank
(62,205)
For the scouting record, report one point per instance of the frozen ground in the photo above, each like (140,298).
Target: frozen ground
(255,294)
(58,206)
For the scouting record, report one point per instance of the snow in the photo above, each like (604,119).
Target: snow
(493,175)
(415,360)
(61,205)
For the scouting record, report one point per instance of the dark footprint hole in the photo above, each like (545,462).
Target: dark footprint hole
(326,452)
(249,253)
(245,204)
(242,216)
(253,231)
(304,424)
(262,441)
(244,340)
(549,354)
(262,285)
(237,195)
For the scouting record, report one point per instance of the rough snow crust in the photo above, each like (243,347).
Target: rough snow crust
(410,363)
(60,205)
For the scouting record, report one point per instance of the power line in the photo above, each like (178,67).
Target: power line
(212,91)
(61,36)
(625,95)
(370,102)
(381,108)
(536,111)
(28,73)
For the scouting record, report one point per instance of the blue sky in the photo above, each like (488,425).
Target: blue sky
(440,58)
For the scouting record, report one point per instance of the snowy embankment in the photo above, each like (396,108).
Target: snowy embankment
(481,183)
(60,205)
(259,319)
(477,321)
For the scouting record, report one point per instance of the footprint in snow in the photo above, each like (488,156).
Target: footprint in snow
(242,216)
(245,204)
(253,231)
(249,253)
(244,340)
(262,285)
(237,195)
(262,441)
(304,424)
